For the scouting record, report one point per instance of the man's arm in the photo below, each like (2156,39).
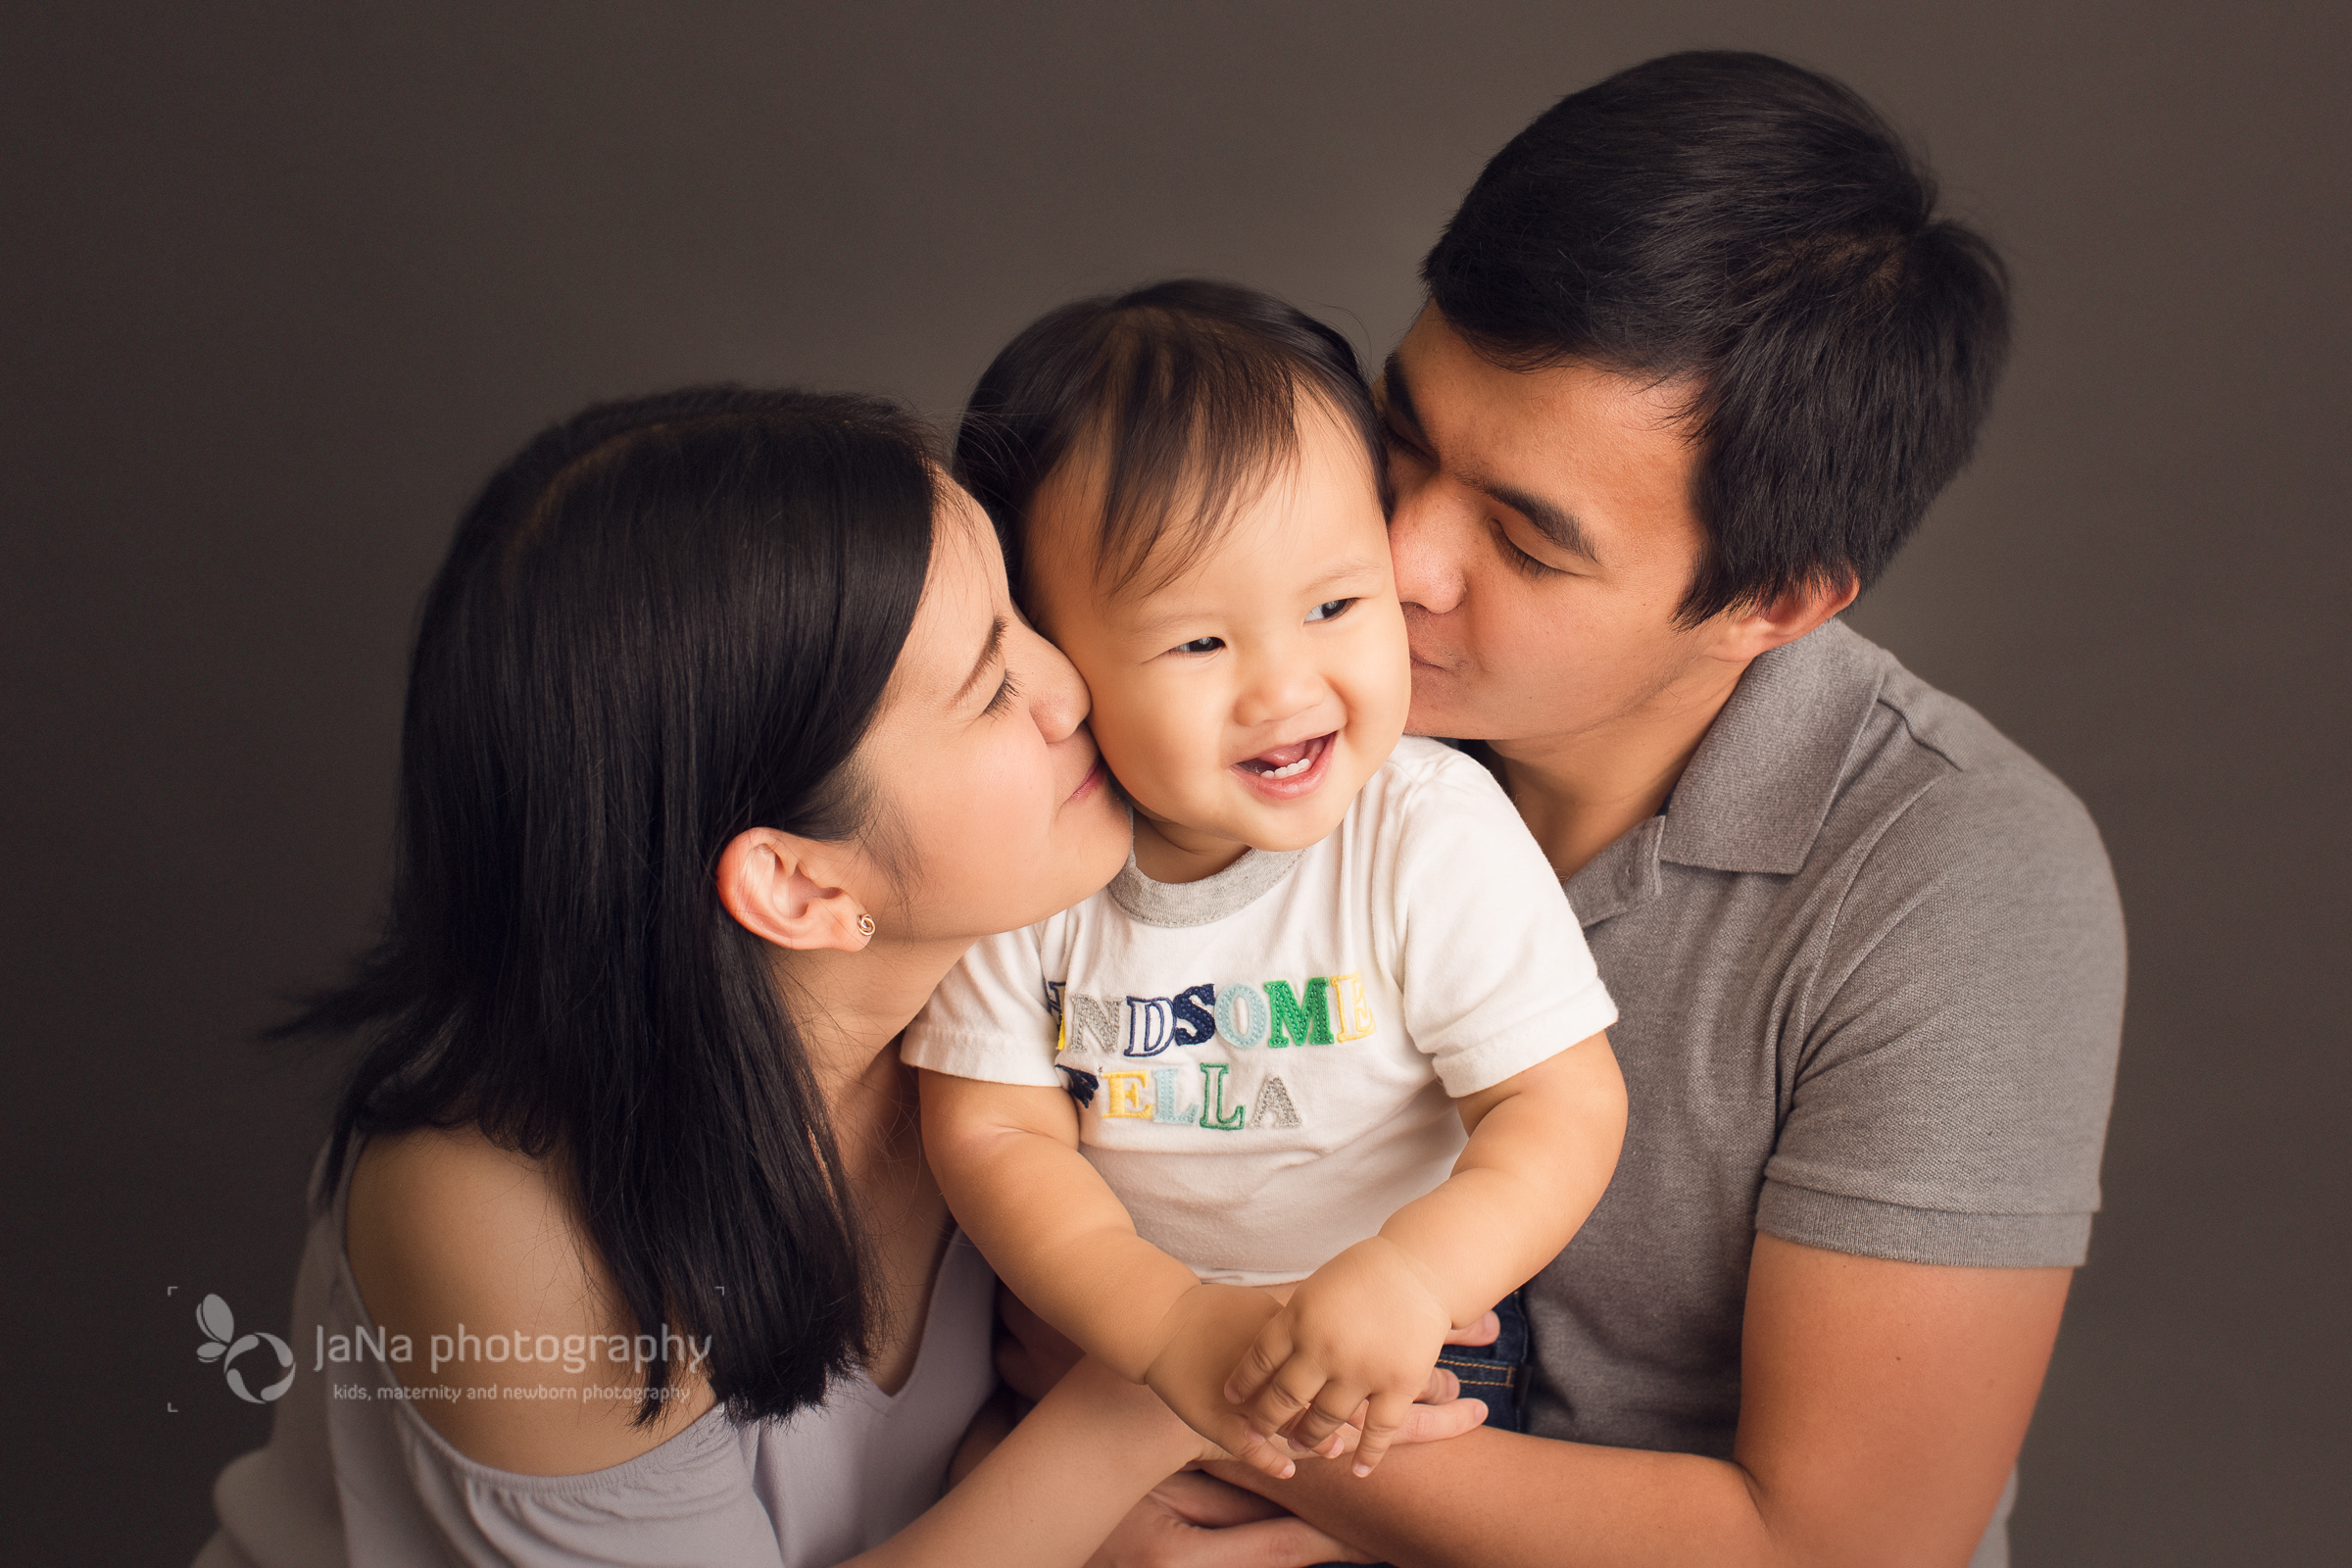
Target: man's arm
(1882,1406)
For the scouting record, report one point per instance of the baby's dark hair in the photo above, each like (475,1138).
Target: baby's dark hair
(1188,394)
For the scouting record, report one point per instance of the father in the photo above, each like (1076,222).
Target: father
(1696,357)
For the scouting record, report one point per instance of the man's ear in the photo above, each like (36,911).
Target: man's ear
(1761,627)
(775,886)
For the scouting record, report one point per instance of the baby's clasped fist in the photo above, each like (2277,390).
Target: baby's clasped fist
(1354,1345)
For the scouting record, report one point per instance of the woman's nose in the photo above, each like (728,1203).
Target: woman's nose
(1058,700)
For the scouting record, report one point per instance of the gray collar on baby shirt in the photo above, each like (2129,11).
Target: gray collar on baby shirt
(1177,905)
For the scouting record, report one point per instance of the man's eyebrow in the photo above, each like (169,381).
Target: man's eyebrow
(1398,397)
(988,656)
(1554,523)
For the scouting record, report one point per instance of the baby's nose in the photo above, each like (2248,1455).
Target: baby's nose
(1279,692)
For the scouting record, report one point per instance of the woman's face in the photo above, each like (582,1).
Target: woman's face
(994,808)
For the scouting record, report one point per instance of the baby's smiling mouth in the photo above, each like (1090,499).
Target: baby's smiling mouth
(1286,761)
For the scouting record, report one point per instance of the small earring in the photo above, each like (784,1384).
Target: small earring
(866,925)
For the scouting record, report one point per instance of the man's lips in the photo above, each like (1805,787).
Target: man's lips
(1423,649)
(1443,663)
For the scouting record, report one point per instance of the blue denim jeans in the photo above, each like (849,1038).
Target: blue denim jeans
(1495,1372)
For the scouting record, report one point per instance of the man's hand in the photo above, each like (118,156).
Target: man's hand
(1192,1521)
(1353,1346)
(1882,1404)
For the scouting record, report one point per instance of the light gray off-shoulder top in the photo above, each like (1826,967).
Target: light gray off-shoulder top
(365,1482)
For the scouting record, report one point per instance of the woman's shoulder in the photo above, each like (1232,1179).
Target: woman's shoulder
(415,1180)
(446,1222)
(466,1246)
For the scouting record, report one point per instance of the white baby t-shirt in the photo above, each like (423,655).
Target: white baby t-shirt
(1265,1061)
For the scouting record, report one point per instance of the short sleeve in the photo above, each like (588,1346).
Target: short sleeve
(1952,1098)
(1491,962)
(688,1503)
(989,1019)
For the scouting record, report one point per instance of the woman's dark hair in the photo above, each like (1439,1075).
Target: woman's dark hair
(1185,395)
(1761,231)
(668,621)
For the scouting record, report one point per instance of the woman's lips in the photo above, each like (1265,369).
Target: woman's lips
(1095,776)
(1287,773)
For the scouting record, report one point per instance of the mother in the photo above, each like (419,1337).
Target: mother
(722,742)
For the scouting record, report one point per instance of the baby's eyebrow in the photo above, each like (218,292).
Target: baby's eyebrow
(1161,623)
(1340,571)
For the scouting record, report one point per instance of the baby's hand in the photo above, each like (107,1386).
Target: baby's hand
(1209,1327)
(1360,1334)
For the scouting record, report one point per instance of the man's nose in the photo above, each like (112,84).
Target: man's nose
(1426,552)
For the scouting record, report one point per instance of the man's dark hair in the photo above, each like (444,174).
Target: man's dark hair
(1187,394)
(1759,231)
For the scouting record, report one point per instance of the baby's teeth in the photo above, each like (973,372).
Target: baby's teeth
(1292,771)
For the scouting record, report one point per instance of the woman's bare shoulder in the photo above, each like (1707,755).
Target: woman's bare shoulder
(446,1225)
(456,1242)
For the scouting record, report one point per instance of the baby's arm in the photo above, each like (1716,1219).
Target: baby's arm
(1367,1325)
(1006,1158)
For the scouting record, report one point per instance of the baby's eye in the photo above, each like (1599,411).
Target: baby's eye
(1200,644)
(1330,609)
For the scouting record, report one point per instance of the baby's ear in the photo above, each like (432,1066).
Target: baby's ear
(777,888)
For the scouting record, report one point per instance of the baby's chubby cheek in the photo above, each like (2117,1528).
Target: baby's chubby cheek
(1167,781)
(1149,750)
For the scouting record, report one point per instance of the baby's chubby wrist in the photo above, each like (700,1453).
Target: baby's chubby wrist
(1205,1315)
(1404,1277)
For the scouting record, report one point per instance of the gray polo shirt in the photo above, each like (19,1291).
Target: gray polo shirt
(1869,967)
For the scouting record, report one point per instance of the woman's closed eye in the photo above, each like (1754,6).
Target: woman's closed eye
(1008,692)
(1329,609)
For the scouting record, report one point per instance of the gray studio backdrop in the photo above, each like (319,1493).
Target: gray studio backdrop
(282,285)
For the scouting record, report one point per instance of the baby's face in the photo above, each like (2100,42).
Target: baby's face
(1247,701)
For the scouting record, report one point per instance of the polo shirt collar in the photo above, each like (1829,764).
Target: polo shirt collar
(1761,783)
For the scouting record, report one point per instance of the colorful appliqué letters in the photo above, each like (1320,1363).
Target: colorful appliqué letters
(1272,1015)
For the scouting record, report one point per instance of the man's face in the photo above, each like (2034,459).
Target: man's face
(1544,535)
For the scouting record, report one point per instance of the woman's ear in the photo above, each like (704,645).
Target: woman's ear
(776,888)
